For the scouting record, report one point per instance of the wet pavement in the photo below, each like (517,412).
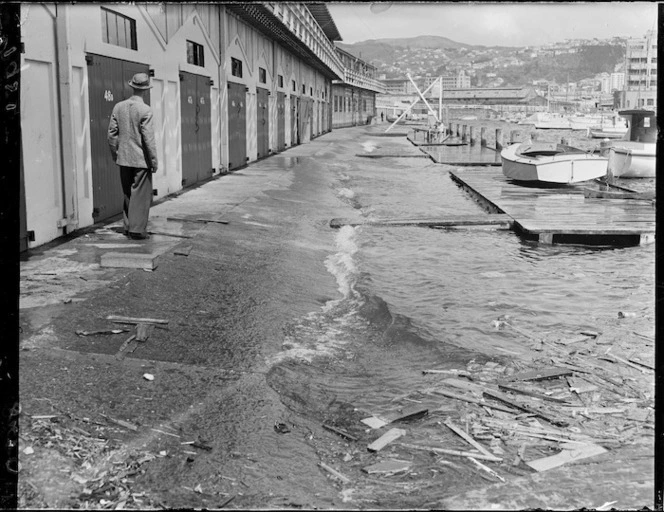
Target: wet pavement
(196,416)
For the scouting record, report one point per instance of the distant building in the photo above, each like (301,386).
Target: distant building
(354,97)
(398,86)
(641,72)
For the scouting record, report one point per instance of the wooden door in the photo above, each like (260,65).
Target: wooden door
(108,84)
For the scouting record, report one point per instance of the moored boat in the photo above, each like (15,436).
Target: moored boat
(553,121)
(635,155)
(551,163)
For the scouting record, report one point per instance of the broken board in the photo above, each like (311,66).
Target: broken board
(566,456)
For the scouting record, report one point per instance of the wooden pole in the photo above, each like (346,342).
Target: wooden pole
(422,94)
(483,136)
(440,99)
(471,129)
(407,110)
(499,139)
(463,133)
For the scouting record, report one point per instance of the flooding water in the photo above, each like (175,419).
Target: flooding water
(413,298)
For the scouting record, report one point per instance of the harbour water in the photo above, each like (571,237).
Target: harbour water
(413,298)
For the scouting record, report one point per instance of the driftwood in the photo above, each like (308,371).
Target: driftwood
(389,436)
(130,320)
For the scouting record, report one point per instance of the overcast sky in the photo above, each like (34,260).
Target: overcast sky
(493,24)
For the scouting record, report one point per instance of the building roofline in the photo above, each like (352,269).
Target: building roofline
(322,15)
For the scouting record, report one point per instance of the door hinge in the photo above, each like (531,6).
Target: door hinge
(62,223)
(22,47)
(89,59)
(31,236)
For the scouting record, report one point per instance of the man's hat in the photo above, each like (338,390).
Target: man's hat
(140,81)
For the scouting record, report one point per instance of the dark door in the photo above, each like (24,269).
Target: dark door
(281,121)
(295,109)
(237,125)
(305,119)
(107,85)
(196,131)
(263,123)
(22,215)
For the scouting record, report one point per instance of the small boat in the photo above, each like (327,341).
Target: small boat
(607,133)
(635,155)
(551,163)
(553,121)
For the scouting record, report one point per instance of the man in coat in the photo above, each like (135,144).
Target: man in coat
(132,142)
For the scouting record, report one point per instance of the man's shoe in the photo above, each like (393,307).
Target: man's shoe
(139,236)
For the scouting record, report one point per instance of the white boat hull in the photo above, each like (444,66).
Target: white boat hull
(561,168)
(633,162)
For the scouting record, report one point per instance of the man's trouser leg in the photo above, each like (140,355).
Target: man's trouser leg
(137,189)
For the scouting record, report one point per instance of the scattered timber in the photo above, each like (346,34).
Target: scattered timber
(543,374)
(388,467)
(143,331)
(409,414)
(204,221)
(470,440)
(123,348)
(340,432)
(334,473)
(472,400)
(566,456)
(183,251)
(391,435)
(122,423)
(445,451)
(130,320)
(459,220)
(526,392)
(526,408)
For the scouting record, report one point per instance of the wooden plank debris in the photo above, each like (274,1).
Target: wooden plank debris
(391,435)
(526,408)
(334,473)
(408,414)
(445,451)
(580,386)
(388,467)
(205,221)
(375,422)
(143,331)
(486,468)
(340,432)
(472,400)
(469,439)
(132,320)
(104,331)
(169,234)
(459,220)
(183,251)
(121,351)
(566,456)
(543,374)
(122,423)
(526,392)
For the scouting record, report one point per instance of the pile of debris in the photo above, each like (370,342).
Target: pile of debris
(580,400)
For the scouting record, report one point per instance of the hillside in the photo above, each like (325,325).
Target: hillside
(488,65)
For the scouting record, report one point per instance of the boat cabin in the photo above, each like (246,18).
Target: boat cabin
(642,125)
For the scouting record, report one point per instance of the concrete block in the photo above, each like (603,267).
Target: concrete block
(129,260)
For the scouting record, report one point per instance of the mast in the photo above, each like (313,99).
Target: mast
(440,100)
